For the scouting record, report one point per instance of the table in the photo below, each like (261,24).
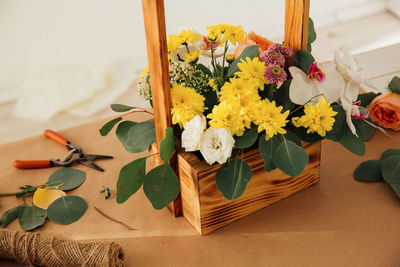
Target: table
(338,222)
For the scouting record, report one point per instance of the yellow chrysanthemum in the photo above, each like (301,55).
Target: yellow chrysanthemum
(318,118)
(252,69)
(192,56)
(230,58)
(231,116)
(241,91)
(186,104)
(234,34)
(183,37)
(213,84)
(270,118)
(144,71)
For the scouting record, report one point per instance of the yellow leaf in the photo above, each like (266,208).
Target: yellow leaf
(44,197)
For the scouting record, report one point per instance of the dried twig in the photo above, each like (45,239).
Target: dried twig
(114,220)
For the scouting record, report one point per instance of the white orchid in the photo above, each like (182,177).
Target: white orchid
(194,130)
(321,79)
(354,77)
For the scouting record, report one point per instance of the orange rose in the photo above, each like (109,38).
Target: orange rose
(253,39)
(384,110)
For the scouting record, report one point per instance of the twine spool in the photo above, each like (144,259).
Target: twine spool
(49,250)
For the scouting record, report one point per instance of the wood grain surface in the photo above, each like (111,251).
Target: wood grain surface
(296,24)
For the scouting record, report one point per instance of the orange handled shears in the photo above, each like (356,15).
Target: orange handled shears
(75,155)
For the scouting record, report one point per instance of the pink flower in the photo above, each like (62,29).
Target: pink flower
(356,113)
(272,57)
(280,48)
(275,74)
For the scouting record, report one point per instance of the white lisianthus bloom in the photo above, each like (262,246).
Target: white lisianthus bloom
(320,79)
(194,130)
(354,77)
(216,145)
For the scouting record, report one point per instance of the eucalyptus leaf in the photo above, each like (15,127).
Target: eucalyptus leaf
(108,126)
(366,98)
(68,177)
(339,126)
(394,85)
(391,169)
(312,35)
(250,51)
(247,139)
(10,215)
(389,153)
(167,145)
(161,186)
(301,132)
(122,133)
(303,59)
(292,137)
(130,179)
(290,158)
(232,178)
(32,217)
(121,108)
(267,149)
(141,136)
(352,143)
(364,130)
(211,99)
(369,171)
(66,210)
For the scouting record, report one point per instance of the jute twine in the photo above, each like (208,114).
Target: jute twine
(49,250)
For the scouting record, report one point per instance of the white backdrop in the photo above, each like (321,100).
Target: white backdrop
(43,34)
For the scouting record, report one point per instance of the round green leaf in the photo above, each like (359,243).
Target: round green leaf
(10,215)
(121,108)
(130,179)
(247,139)
(232,178)
(307,137)
(282,96)
(394,85)
(122,133)
(364,130)
(68,177)
(292,137)
(303,59)
(369,171)
(389,153)
(339,126)
(141,136)
(66,210)
(366,98)
(161,186)
(352,143)
(391,169)
(167,145)
(312,35)
(396,188)
(290,158)
(32,217)
(108,126)
(267,149)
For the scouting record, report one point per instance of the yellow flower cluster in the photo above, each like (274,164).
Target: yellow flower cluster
(174,41)
(252,70)
(318,118)
(186,104)
(240,106)
(192,56)
(225,32)
(270,118)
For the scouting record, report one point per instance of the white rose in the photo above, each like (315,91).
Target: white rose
(216,145)
(194,130)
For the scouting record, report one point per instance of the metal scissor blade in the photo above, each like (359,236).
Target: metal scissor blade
(91,157)
(91,164)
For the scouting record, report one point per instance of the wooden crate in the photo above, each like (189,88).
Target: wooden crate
(207,209)
(201,202)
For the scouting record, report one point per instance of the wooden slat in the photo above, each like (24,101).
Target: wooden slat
(154,22)
(296,24)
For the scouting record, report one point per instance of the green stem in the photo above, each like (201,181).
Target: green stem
(223,59)
(212,53)
(271,92)
(187,48)
(293,111)
(8,194)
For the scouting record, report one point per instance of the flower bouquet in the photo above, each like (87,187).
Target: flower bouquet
(244,108)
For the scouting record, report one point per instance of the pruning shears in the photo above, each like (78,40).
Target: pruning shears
(75,155)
